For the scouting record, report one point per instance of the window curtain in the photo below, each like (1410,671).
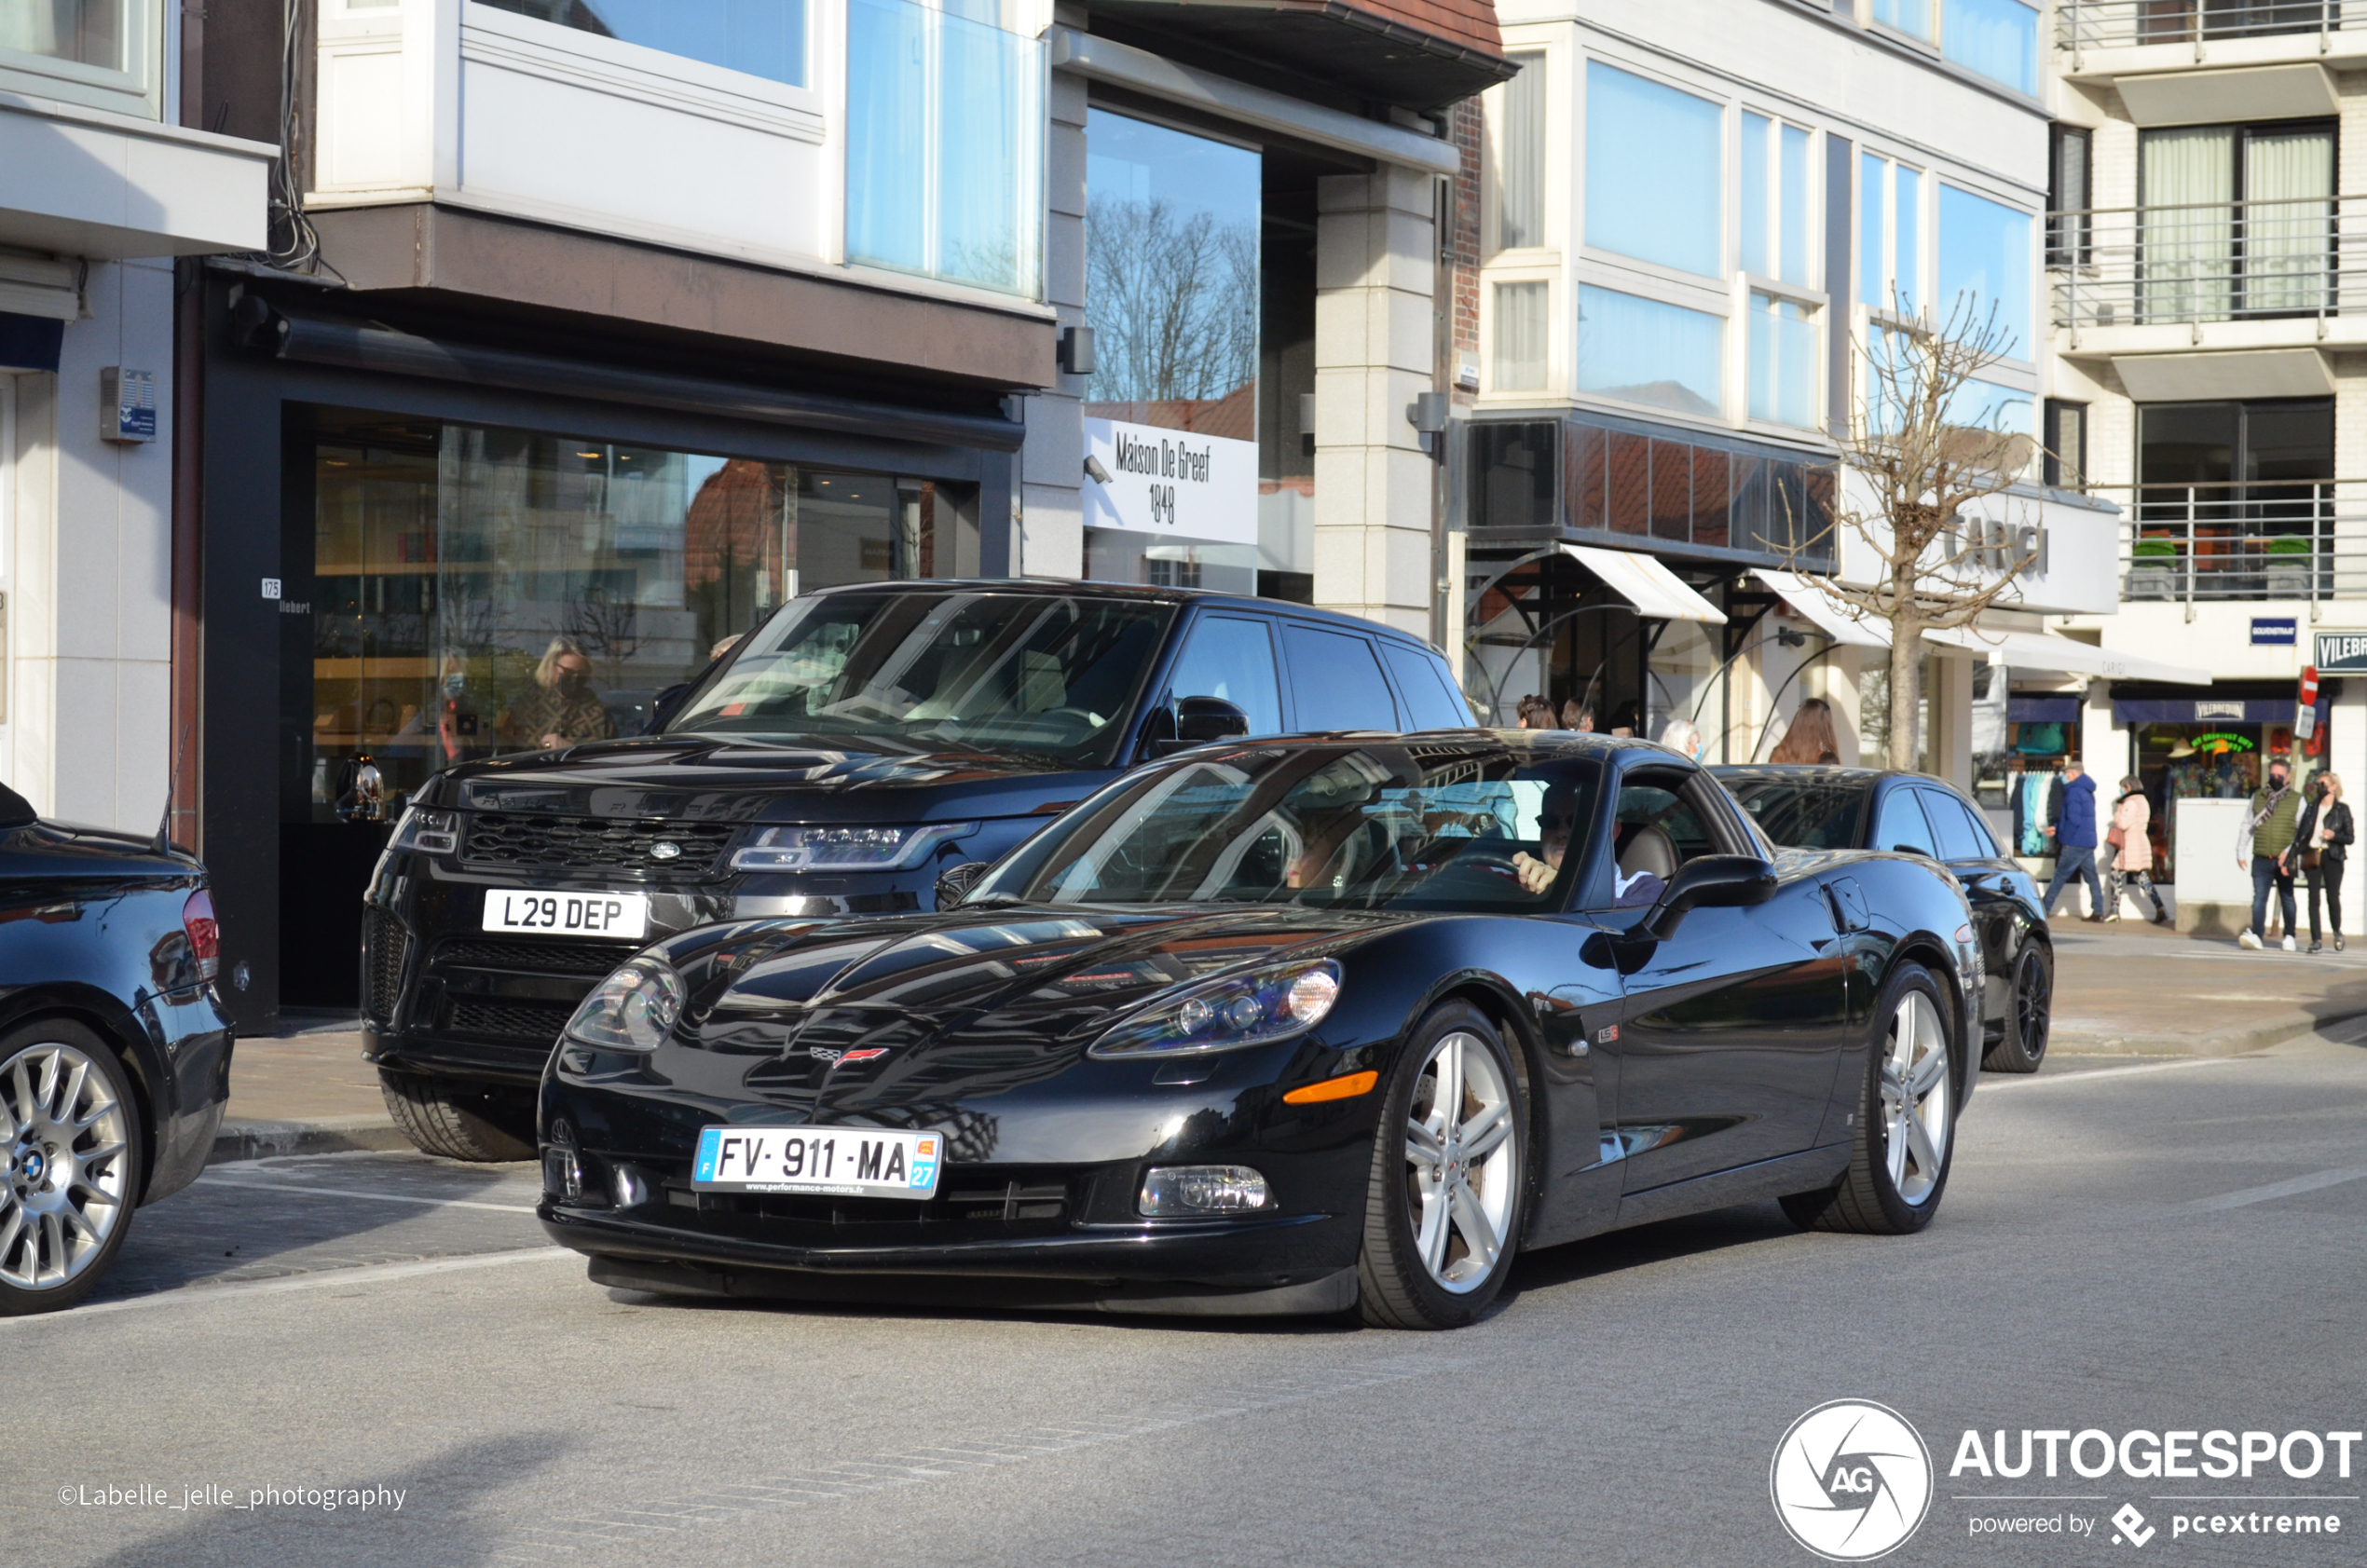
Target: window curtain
(989,80)
(2186,186)
(1521,334)
(1520,201)
(887,170)
(2288,220)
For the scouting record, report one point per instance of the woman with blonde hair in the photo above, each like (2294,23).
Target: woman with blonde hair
(1809,736)
(2132,844)
(2323,841)
(562,709)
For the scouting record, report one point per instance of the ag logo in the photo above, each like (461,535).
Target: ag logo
(1851,1480)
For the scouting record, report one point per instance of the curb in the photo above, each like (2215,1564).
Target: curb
(2225,1043)
(330,1135)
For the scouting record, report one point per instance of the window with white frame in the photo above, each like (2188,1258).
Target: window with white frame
(1648,351)
(1654,156)
(763,37)
(1777,216)
(1520,157)
(1890,234)
(105,54)
(1781,350)
(1992,39)
(1985,265)
(1910,17)
(1522,335)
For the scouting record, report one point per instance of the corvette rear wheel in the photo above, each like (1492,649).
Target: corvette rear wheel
(1906,1122)
(2029,1003)
(459,1123)
(1450,1178)
(66,1132)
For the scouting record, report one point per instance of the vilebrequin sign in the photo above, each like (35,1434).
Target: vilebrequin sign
(1171,483)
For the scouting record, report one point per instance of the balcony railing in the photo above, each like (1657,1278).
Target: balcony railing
(2094,25)
(2224,261)
(2257,539)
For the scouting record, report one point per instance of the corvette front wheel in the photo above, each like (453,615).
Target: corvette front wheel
(1906,1120)
(1450,1177)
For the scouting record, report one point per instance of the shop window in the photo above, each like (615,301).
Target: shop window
(1643,351)
(1653,155)
(1522,336)
(763,37)
(1985,265)
(478,591)
(1512,473)
(1890,235)
(944,133)
(1520,157)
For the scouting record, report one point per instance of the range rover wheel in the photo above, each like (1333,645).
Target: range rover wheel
(1906,1120)
(2029,1005)
(1450,1178)
(67,1134)
(459,1124)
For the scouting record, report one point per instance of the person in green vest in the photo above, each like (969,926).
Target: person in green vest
(2270,825)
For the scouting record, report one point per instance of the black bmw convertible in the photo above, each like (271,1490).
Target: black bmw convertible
(1281,1027)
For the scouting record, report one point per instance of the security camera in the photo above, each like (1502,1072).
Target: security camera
(1095,471)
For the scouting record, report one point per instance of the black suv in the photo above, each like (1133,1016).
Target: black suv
(859,743)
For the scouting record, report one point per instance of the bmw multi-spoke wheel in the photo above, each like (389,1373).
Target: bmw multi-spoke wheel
(1906,1122)
(2029,1003)
(1450,1177)
(65,1130)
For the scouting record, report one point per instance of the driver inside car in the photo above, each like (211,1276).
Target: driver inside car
(1553,823)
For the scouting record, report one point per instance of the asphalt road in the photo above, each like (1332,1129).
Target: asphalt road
(2155,1246)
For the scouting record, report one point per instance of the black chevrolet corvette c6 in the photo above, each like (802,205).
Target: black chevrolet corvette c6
(1281,1027)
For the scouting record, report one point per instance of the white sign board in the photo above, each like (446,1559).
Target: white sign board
(1171,483)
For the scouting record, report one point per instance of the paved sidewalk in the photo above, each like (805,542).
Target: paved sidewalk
(2126,989)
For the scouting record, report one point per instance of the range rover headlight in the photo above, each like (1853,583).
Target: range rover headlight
(844,848)
(1254,1007)
(428,832)
(633,1009)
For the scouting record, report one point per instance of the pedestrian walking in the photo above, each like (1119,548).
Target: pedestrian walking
(2074,835)
(2131,841)
(2271,825)
(2325,834)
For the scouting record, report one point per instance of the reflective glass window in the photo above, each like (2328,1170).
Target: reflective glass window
(1653,155)
(1900,824)
(1431,701)
(1993,38)
(1335,682)
(1232,657)
(1984,260)
(1647,352)
(762,38)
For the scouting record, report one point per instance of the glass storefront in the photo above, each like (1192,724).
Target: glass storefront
(479,591)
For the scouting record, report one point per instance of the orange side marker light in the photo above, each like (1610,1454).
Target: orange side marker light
(1355,1084)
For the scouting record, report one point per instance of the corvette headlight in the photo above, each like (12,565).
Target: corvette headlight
(844,848)
(1252,1008)
(633,1009)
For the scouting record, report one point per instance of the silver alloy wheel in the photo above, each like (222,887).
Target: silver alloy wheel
(1462,1162)
(1917,1098)
(64,1134)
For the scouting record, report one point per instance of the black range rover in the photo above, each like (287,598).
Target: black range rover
(856,746)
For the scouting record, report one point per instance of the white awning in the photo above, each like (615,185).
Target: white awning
(1644,583)
(2044,650)
(1810,602)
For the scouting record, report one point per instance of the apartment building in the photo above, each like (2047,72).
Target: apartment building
(1684,221)
(2210,339)
(103,183)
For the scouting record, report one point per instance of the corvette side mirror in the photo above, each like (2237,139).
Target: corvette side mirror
(1712,881)
(1199,720)
(957,880)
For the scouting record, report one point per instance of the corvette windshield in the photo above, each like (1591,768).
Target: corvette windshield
(1054,676)
(1362,827)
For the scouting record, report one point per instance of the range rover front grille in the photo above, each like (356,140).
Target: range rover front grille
(539,1022)
(516,842)
(576,957)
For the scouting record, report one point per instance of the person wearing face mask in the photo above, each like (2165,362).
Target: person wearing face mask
(562,709)
(2324,838)
(2270,827)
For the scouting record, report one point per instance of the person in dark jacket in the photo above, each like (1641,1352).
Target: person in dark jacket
(2074,835)
(2325,836)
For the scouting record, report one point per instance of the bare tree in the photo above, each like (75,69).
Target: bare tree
(1918,466)
(1174,303)
(607,626)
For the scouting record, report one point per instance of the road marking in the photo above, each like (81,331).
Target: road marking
(366,1274)
(2275,1190)
(569,1534)
(253,1186)
(2042,1080)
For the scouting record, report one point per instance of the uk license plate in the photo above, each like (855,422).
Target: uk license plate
(848,1162)
(611,915)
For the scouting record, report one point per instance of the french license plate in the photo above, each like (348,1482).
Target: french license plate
(567,914)
(848,1162)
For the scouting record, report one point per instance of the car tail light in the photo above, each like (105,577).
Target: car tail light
(205,932)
